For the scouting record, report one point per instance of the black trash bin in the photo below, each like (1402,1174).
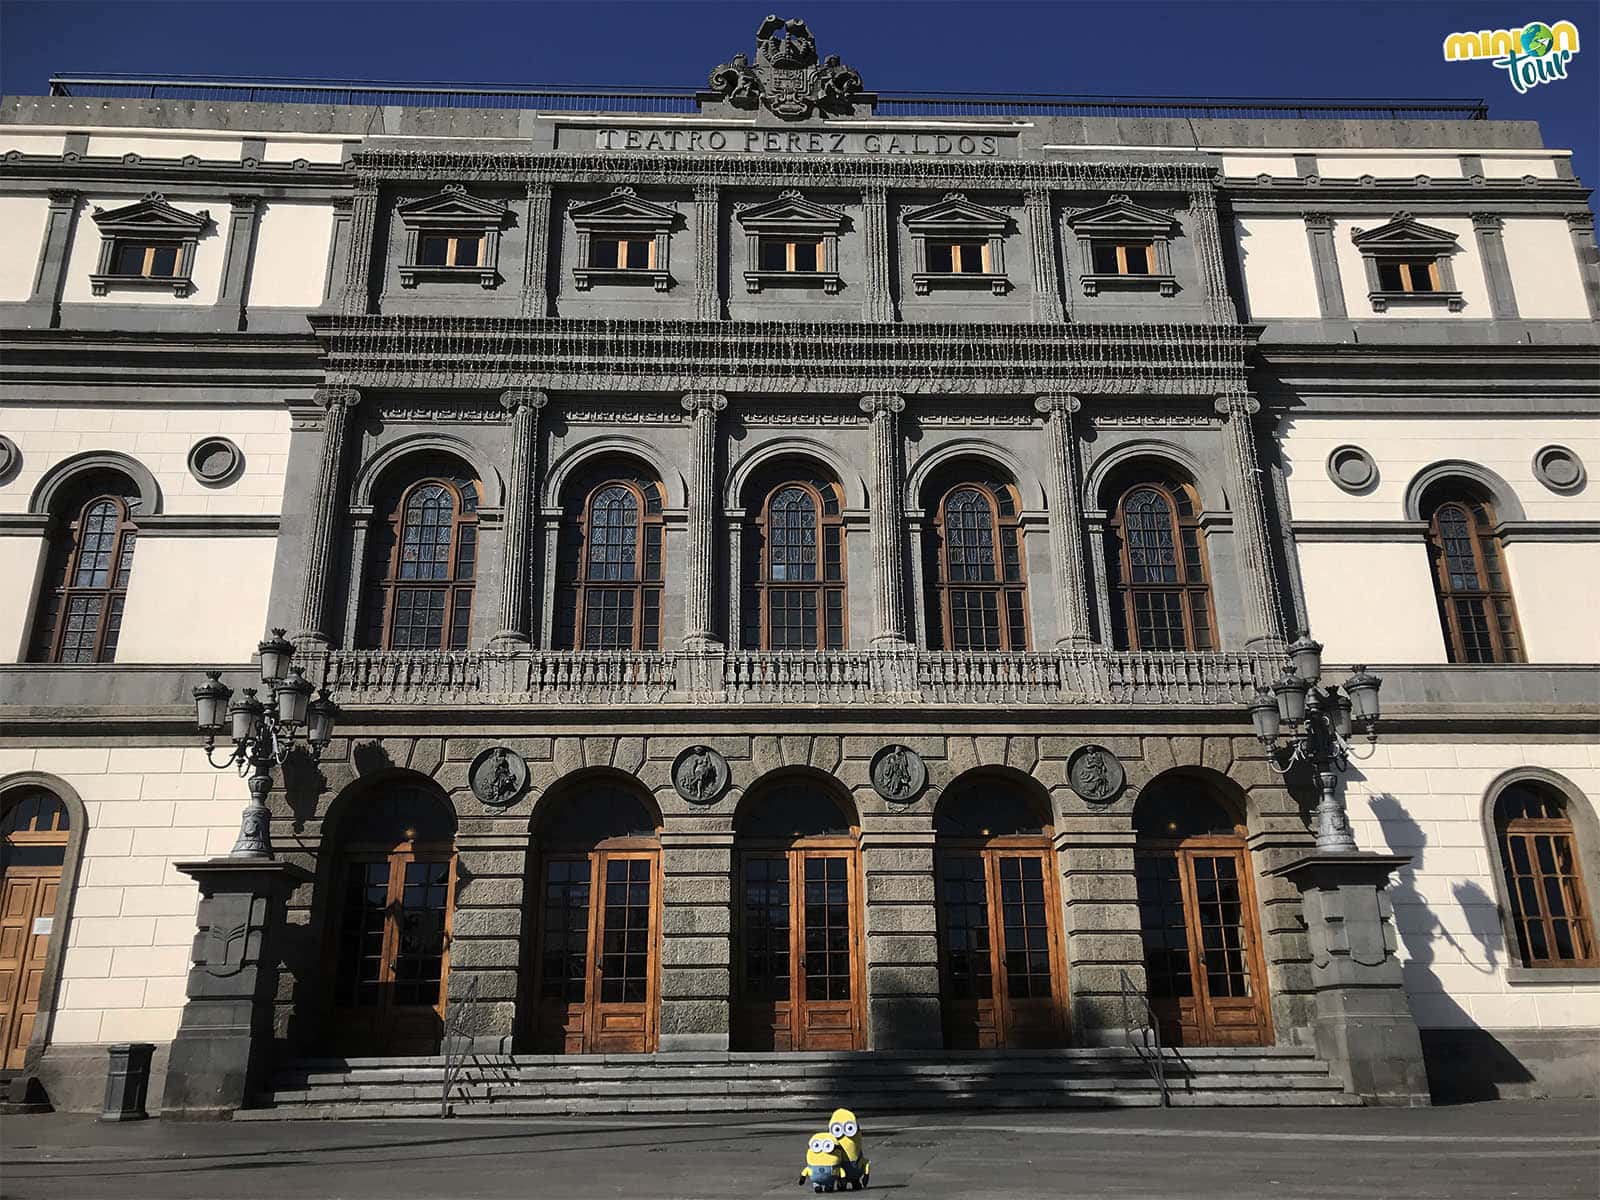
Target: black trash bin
(127,1081)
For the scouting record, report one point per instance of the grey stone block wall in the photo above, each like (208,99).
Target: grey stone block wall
(696,939)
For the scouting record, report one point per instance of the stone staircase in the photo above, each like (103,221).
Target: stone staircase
(542,1085)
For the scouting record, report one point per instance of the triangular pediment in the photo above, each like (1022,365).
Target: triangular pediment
(455,203)
(1404,233)
(1120,215)
(152,215)
(791,209)
(956,210)
(623,206)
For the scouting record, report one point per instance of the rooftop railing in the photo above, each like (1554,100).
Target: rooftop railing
(558,98)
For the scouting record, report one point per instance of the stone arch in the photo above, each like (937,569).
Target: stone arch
(1027,483)
(47,493)
(61,927)
(622,445)
(1230,798)
(1506,505)
(1168,456)
(854,486)
(771,782)
(340,809)
(1034,794)
(564,791)
(376,468)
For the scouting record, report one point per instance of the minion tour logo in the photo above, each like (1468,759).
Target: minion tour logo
(1537,53)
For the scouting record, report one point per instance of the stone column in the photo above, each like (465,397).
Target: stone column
(875,227)
(1208,245)
(1251,547)
(1042,242)
(903,986)
(1489,230)
(536,260)
(700,600)
(515,577)
(322,522)
(43,306)
(696,940)
(707,256)
(1325,265)
(1581,224)
(888,508)
(1100,921)
(1363,1026)
(243,219)
(222,1053)
(486,931)
(1066,521)
(356,295)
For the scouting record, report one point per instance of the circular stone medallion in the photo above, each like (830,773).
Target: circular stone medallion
(898,773)
(1557,467)
(499,777)
(10,456)
(1095,773)
(700,775)
(1352,468)
(215,461)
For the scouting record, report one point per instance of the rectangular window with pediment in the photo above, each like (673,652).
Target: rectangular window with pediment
(452,236)
(150,244)
(1124,246)
(1409,264)
(957,243)
(792,242)
(622,239)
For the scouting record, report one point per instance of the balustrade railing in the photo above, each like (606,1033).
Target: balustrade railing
(600,677)
(798,677)
(975,678)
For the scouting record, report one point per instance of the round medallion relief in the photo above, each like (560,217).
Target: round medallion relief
(215,461)
(700,775)
(898,773)
(1096,774)
(1352,469)
(10,458)
(498,776)
(1557,467)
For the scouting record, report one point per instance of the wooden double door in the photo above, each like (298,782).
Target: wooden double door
(1002,957)
(1202,944)
(33,845)
(799,978)
(596,965)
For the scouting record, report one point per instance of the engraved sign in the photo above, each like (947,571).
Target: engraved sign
(1095,773)
(898,773)
(700,775)
(926,143)
(498,777)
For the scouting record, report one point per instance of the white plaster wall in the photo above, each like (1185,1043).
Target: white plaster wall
(1275,253)
(161,439)
(1403,446)
(22,222)
(1389,166)
(13,137)
(1426,800)
(1544,268)
(19,579)
(132,929)
(210,149)
(84,257)
(312,152)
(1546,580)
(1496,167)
(196,599)
(291,255)
(1392,618)
(1249,166)
(1467,266)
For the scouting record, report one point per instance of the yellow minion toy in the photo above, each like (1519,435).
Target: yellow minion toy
(824,1164)
(846,1132)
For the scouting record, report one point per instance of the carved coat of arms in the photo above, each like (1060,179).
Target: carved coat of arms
(787,79)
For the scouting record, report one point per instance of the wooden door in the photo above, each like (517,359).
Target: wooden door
(1003,961)
(1206,977)
(799,977)
(33,846)
(597,964)
(393,953)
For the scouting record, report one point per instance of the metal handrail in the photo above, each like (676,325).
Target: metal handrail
(1147,1045)
(454,1022)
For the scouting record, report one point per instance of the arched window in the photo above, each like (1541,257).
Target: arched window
(975,556)
(1469,578)
(421,565)
(608,575)
(1544,881)
(1155,557)
(86,574)
(794,569)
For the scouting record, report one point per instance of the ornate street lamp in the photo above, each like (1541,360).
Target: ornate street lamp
(1320,720)
(263,734)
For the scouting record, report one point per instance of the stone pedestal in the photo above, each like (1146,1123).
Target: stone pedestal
(1363,1024)
(223,1049)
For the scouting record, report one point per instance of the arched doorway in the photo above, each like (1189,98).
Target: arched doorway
(34,831)
(396,887)
(1002,957)
(1206,979)
(595,969)
(798,982)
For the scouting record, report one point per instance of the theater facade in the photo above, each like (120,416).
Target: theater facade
(793,565)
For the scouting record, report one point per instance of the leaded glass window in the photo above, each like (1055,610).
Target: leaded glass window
(977,580)
(87,573)
(421,567)
(794,596)
(1475,606)
(609,569)
(1155,556)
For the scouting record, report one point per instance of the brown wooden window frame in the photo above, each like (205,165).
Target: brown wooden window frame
(769,241)
(831,594)
(1192,583)
(1009,585)
(619,259)
(1123,250)
(150,246)
(1556,833)
(1499,605)
(453,240)
(459,585)
(576,585)
(52,621)
(958,258)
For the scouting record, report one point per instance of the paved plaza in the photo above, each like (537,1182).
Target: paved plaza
(1542,1151)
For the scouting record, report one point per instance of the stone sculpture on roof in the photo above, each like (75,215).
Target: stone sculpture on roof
(787,79)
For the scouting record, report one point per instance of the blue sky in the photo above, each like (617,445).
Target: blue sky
(1277,48)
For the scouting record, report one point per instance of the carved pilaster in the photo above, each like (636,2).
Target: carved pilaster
(1581,225)
(1325,265)
(515,585)
(60,222)
(322,522)
(1208,244)
(356,297)
(1489,229)
(888,519)
(1251,548)
(243,219)
(536,259)
(707,292)
(1042,242)
(875,223)
(700,601)
(1066,525)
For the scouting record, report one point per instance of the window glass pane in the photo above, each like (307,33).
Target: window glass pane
(971,255)
(164,261)
(1104,256)
(468,247)
(774,254)
(613,534)
(1152,557)
(807,256)
(941,257)
(605,252)
(1389,278)
(792,536)
(969,537)
(638,254)
(1421,275)
(433,250)
(128,258)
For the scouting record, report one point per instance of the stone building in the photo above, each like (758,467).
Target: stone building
(793,565)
